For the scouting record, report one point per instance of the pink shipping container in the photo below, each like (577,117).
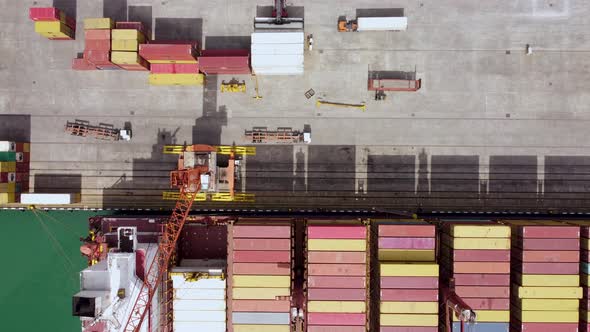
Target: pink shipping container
(336,319)
(261,256)
(98,44)
(408,329)
(262,268)
(82,64)
(540,256)
(186,68)
(406,243)
(170,52)
(337,269)
(549,268)
(225,62)
(549,232)
(336,282)
(475,279)
(325,328)
(336,294)
(262,244)
(549,244)
(409,295)
(265,232)
(477,267)
(44,14)
(261,305)
(406,230)
(98,57)
(465,255)
(487,303)
(347,257)
(336,232)
(162,68)
(483,291)
(410,282)
(102,34)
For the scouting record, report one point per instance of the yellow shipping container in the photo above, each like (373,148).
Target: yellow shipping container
(7,187)
(8,166)
(6,198)
(261,328)
(53,29)
(480,243)
(350,307)
(550,292)
(408,320)
(127,34)
(547,316)
(549,305)
(125,58)
(490,316)
(98,23)
(172,61)
(409,270)
(176,79)
(26,147)
(481,231)
(390,307)
(124,45)
(407,255)
(549,280)
(259,293)
(336,245)
(262,281)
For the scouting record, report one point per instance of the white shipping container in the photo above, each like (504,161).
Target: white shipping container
(199,316)
(279,70)
(199,327)
(265,60)
(277,49)
(199,294)
(178,281)
(274,37)
(205,305)
(382,23)
(7,146)
(48,199)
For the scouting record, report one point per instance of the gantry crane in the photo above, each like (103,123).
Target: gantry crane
(196,170)
(454,305)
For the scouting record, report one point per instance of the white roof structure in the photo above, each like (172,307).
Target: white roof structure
(382,23)
(277,52)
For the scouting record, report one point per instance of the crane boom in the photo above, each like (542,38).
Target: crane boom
(159,266)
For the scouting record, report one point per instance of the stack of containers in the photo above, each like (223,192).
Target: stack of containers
(337,278)
(97,49)
(172,64)
(225,62)
(477,258)
(584,272)
(125,43)
(14,171)
(408,277)
(259,266)
(545,279)
(53,23)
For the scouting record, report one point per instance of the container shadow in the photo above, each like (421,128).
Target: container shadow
(227,42)
(179,29)
(15,127)
(69,7)
(141,14)
(380,12)
(58,183)
(115,9)
(207,129)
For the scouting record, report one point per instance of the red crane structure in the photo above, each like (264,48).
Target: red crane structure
(454,305)
(196,168)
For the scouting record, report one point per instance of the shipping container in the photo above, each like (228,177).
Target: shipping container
(101,34)
(382,23)
(7,197)
(97,44)
(44,14)
(53,29)
(127,34)
(224,62)
(7,146)
(130,45)
(176,79)
(48,199)
(98,23)
(98,57)
(168,52)
(8,166)
(139,26)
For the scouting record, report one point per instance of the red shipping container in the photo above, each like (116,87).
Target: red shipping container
(409,295)
(326,328)
(546,327)
(407,231)
(22,167)
(135,26)
(235,71)
(169,52)
(338,257)
(487,303)
(336,294)
(262,268)
(100,34)
(465,255)
(547,268)
(406,243)
(483,267)
(261,305)
(98,57)
(408,329)
(549,232)
(262,232)
(347,319)
(82,64)
(483,291)
(539,256)
(410,282)
(336,282)
(337,270)
(44,14)
(226,61)
(336,232)
(262,256)
(22,177)
(262,244)
(548,244)
(186,68)
(162,68)
(7,177)
(473,279)
(98,44)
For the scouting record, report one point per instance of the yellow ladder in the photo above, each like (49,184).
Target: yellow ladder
(362,107)
(242,150)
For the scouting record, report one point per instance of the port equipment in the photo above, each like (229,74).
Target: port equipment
(454,305)
(377,84)
(280,135)
(103,131)
(196,172)
(233,86)
(319,103)
(279,19)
